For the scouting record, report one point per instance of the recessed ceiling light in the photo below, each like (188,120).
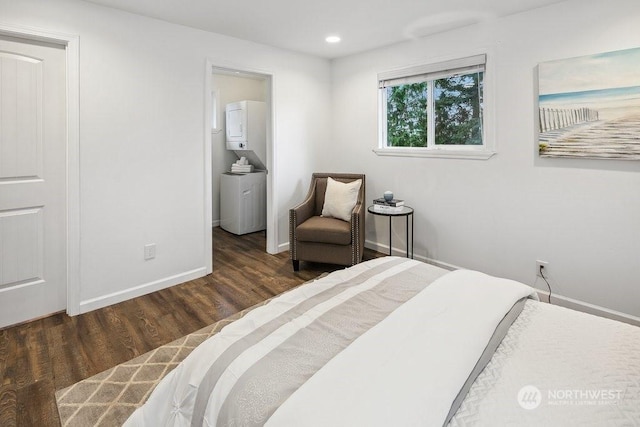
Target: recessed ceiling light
(332,39)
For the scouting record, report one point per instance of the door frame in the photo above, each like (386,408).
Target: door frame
(272,209)
(71,44)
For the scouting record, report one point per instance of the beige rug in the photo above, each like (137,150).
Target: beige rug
(110,397)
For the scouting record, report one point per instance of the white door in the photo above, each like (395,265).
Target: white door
(33,246)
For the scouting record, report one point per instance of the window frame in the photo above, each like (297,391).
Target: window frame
(216,120)
(431,72)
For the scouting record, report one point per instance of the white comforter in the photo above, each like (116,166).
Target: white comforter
(404,370)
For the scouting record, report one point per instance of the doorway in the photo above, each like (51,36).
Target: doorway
(227,85)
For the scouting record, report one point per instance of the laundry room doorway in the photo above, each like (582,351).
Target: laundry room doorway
(240,122)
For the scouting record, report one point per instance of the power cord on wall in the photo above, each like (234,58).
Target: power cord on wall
(546,281)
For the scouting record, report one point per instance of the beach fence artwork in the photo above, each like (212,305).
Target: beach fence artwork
(589,106)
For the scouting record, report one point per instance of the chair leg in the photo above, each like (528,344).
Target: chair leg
(296,264)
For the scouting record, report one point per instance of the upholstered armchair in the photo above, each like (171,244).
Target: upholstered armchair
(317,238)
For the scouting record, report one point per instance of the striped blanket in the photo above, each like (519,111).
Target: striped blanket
(368,345)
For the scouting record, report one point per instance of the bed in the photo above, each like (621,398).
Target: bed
(394,341)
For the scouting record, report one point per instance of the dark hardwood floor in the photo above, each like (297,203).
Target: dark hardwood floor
(46,355)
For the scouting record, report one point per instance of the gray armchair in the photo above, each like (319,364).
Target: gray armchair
(313,237)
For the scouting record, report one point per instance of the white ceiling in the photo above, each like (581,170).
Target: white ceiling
(302,25)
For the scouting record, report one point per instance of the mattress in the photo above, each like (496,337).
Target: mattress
(394,341)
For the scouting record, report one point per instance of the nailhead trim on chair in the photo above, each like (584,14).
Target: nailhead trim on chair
(356,242)
(292,241)
(354,235)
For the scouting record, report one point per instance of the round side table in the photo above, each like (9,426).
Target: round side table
(406,212)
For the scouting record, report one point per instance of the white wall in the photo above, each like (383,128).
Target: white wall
(230,89)
(142,176)
(142,97)
(501,215)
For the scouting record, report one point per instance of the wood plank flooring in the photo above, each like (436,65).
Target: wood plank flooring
(49,354)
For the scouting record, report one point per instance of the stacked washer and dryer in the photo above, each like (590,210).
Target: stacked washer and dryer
(243,195)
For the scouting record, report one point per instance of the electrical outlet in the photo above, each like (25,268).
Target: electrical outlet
(543,264)
(149,251)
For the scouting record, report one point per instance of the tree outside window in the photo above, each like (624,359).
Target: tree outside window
(407,115)
(435,106)
(458,110)
(457,104)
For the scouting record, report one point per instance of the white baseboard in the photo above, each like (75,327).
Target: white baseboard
(378,247)
(215,223)
(146,288)
(282,247)
(543,295)
(369,244)
(586,307)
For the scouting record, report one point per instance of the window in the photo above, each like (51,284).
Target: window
(434,110)
(216,126)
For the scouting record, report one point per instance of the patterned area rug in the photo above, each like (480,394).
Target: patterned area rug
(110,397)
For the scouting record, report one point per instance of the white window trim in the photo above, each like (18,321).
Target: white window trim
(484,152)
(471,153)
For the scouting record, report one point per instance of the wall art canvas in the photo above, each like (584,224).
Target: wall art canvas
(589,106)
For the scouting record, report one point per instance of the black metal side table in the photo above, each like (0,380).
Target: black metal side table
(406,212)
